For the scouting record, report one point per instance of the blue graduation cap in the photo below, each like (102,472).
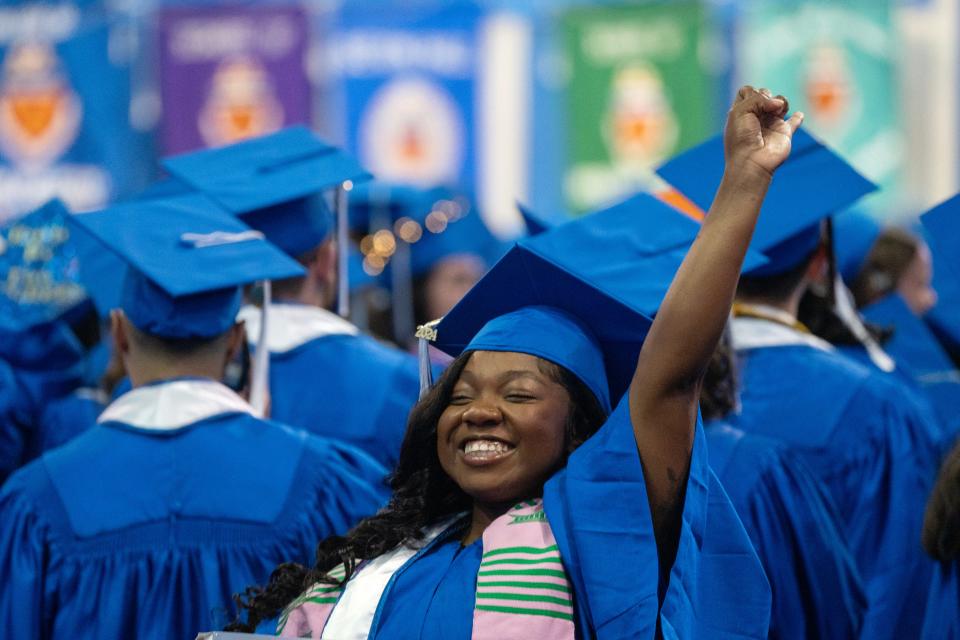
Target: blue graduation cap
(813,184)
(854,234)
(581,294)
(376,204)
(187,259)
(942,226)
(466,234)
(274,182)
(39,269)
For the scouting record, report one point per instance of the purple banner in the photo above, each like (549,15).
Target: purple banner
(230,73)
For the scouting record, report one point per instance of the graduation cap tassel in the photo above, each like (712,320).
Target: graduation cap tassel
(261,359)
(343,251)
(848,314)
(426,333)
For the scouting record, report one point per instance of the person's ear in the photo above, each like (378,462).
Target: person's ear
(120,329)
(235,337)
(818,269)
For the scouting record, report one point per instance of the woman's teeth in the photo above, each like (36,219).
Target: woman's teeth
(485,448)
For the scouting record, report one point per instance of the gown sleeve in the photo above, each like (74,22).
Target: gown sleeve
(597,507)
(817,591)
(942,620)
(22,563)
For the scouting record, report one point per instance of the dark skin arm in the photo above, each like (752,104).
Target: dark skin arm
(665,390)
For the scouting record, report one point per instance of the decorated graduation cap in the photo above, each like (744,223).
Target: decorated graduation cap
(580,295)
(39,269)
(187,259)
(813,184)
(854,234)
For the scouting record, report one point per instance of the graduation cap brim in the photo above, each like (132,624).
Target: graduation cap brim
(142,235)
(810,186)
(267,171)
(524,278)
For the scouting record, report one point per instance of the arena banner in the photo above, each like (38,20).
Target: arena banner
(836,63)
(230,72)
(638,91)
(64,109)
(409,87)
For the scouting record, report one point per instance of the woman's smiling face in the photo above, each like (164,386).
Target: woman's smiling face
(503,433)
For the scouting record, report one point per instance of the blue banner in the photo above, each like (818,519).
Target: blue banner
(409,90)
(65,108)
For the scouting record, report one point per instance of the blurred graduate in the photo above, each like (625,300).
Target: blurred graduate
(872,446)
(146,524)
(325,375)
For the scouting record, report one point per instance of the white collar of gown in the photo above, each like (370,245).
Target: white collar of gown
(166,406)
(292,325)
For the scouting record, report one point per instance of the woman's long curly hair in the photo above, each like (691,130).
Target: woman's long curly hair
(423,496)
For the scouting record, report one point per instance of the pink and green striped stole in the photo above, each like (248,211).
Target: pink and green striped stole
(522,588)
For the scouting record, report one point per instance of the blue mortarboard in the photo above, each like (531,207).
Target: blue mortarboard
(813,184)
(466,235)
(39,269)
(942,226)
(274,182)
(187,260)
(854,234)
(378,205)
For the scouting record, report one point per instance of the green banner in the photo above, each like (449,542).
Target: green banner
(835,61)
(638,91)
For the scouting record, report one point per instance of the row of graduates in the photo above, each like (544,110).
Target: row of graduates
(183,496)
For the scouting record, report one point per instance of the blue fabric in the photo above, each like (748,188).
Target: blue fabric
(434,597)
(364,403)
(551,334)
(187,259)
(597,507)
(922,359)
(14,422)
(129,533)
(526,278)
(942,621)
(817,591)
(874,452)
(854,234)
(791,206)
(62,419)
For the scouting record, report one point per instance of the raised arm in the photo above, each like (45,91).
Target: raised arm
(666,386)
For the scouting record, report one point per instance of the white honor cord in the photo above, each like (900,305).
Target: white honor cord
(343,251)
(851,318)
(260,380)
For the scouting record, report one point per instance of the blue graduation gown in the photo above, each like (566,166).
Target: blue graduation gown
(340,384)
(921,359)
(14,421)
(874,452)
(62,419)
(598,511)
(146,532)
(817,591)
(942,620)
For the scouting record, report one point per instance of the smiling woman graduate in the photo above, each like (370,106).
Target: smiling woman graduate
(553,483)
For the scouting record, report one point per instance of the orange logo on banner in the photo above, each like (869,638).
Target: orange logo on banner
(641,127)
(828,85)
(241,104)
(39,113)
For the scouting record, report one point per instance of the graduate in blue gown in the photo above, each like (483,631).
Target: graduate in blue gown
(790,518)
(867,442)
(49,331)
(146,524)
(553,483)
(890,272)
(941,539)
(325,375)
